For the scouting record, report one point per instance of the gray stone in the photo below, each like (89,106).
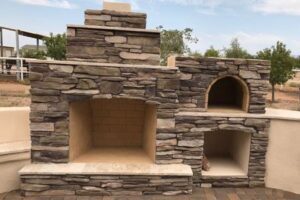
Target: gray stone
(86,84)
(81,92)
(115,39)
(44,127)
(190,143)
(34,187)
(107,87)
(99,71)
(166,142)
(249,74)
(62,68)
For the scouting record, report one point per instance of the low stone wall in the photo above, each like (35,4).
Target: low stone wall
(85,185)
(197,75)
(113,45)
(191,128)
(115,19)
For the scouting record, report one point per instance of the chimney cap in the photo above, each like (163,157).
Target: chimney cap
(117,6)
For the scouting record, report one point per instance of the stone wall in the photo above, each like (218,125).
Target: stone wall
(197,75)
(113,45)
(191,127)
(100,185)
(115,19)
(55,84)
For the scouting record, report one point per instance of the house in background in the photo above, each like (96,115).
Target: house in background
(7,51)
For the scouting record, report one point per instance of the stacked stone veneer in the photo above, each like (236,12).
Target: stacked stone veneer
(192,127)
(104,185)
(54,86)
(198,74)
(115,18)
(118,63)
(113,45)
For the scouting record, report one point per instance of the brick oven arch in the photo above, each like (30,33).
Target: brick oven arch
(227,92)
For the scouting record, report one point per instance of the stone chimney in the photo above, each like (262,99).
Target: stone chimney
(115,15)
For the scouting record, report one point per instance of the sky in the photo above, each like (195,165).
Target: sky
(258,24)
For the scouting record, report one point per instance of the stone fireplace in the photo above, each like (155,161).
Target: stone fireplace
(115,130)
(111,121)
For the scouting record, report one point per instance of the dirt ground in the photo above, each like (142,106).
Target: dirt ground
(14,94)
(285,98)
(17,94)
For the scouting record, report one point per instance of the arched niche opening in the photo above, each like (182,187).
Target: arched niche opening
(229,93)
(112,131)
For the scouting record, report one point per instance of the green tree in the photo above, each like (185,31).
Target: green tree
(236,51)
(56,46)
(175,42)
(212,52)
(196,54)
(281,64)
(34,53)
(297,62)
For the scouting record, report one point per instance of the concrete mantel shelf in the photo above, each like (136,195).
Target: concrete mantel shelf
(270,114)
(96,64)
(107,169)
(114,28)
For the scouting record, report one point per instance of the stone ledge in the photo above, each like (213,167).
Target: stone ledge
(107,169)
(14,147)
(113,28)
(215,59)
(55,62)
(270,114)
(115,13)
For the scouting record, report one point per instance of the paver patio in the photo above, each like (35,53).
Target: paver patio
(198,194)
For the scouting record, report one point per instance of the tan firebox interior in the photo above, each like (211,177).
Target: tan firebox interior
(228,94)
(112,130)
(227,152)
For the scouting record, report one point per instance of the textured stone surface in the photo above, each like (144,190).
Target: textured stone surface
(114,185)
(199,74)
(191,129)
(50,110)
(112,45)
(115,19)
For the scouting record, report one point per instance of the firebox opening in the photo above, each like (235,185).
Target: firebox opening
(112,130)
(228,93)
(227,152)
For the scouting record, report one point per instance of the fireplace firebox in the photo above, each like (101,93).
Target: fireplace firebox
(114,131)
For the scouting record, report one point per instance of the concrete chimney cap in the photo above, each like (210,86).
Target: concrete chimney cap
(117,6)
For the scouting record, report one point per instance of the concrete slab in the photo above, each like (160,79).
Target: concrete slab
(107,169)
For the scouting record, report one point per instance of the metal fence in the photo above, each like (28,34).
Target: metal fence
(15,66)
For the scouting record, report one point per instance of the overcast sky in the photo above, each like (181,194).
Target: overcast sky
(257,23)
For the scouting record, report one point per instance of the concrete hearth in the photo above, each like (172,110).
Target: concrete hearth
(115,130)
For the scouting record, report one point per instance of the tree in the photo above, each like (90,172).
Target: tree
(236,51)
(297,62)
(34,53)
(211,52)
(175,42)
(56,46)
(281,64)
(195,54)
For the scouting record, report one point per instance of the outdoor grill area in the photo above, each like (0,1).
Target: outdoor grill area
(111,121)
